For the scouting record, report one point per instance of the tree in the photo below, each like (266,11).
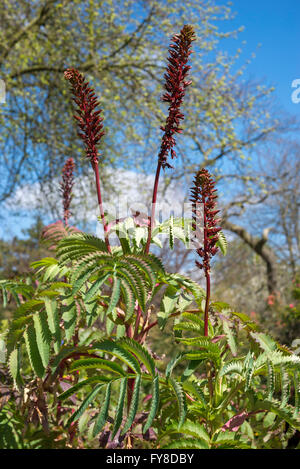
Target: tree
(119,46)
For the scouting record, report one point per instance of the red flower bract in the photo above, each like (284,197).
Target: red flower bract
(204,193)
(175,85)
(66,186)
(91,129)
(89,120)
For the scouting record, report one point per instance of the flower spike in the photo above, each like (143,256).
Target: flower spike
(204,221)
(88,118)
(204,196)
(90,129)
(66,186)
(176,83)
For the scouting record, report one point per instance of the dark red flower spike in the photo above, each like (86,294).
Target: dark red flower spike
(66,187)
(90,126)
(205,222)
(176,83)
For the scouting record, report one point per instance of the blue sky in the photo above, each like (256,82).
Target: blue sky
(275,25)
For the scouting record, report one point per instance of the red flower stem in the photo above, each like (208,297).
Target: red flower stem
(207,275)
(207,304)
(131,381)
(137,322)
(130,388)
(147,329)
(154,198)
(98,187)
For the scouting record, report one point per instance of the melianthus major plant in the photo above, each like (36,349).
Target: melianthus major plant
(82,370)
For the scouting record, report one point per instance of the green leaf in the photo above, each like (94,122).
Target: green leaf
(14,368)
(144,263)
(181,399)
(69,317)
(120,406)
(285,413)
(102,416)
(87,363)
(173,362)
(232,367)
(133,405)
(129,299)
(140,352)
(33,351)
(192,429)
(115,349)
(93,310)
(43,336)
(87,401)
(139,234)
(171,233)
(94,290)
(194,388)
(81,275)
(154,404)
(115,295)
(231,339)
(265,341)
(222,243)
(53,322)
(135,281)
(81,384)
(270,380)
(297,392)
(187,443)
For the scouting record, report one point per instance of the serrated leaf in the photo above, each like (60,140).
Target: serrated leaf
(231,340)
(115,349)
(33,351)
(181,400)
(53,321)
(102,416)
(43,336)
(154,404)
(14,368)
(133,405)
(173,362)
(115,294)
(171,233)
(81,384)
(94,290)
(222,243)
(140,352)
(87,401)
(69,317)
(187,443)
(120,406)
(87,363)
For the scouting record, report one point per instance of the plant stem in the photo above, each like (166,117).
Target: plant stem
(147,329)
(131,381)
(137,322)
(210,383)
(206,304)
(98,187)
(207,275)
(154,198)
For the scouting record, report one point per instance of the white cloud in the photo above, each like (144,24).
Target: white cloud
(131,191)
